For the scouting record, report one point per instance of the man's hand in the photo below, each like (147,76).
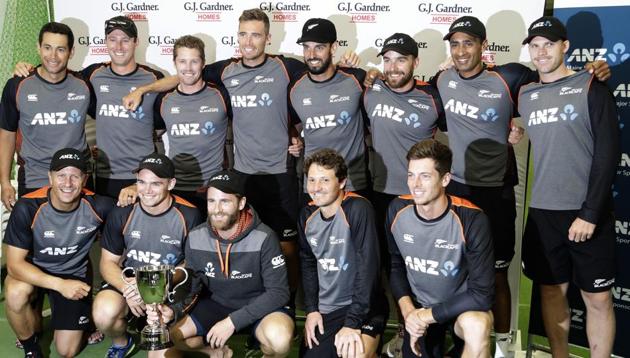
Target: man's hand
(22,69)
(133,99)
(127,196)
(600,69)
(73,289)
(8,196)
(349,59)
(417,322)
(371,76)
(224,352)
(581,230)
(516,134)
(414,342)
(446,64)
(313,320)
(163,314)
(220,333)
(134,300)
(348,342)
(296,147)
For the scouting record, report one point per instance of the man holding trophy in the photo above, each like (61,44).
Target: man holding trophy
(238,261)
(152,232)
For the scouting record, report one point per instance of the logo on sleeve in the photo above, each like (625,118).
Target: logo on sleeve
(209,269)
(277,261)
(237,275)
(75,97)
(31,97)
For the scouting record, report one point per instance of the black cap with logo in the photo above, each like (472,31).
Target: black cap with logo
(122,23)
(229,182)
(467,24)
(401,43)
(159,164)
(548,27)
(318,30)
(68,157)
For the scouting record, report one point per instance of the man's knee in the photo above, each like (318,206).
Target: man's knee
(18,294)
(108,307)
(68,343)
(601,301)
(275,333)
(474,328)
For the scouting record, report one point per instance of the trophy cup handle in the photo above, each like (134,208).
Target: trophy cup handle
(172,293)
(124,278)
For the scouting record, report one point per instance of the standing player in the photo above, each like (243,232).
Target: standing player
(238,260)
(195,115)
(41,113)
(570,235)
(345,305)
(152,231)
(327,102)
(401,112)
(48,239)
(123,137)
(442,260)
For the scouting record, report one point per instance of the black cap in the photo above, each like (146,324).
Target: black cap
(467,24)
(159,164)
(318,30)
(548,27)
(68,157)
(401,43)
(122,23)
(229,182)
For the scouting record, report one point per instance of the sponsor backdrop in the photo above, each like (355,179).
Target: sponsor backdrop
(600,33)
(362,25)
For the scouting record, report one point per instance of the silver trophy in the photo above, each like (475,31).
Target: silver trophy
(153,283)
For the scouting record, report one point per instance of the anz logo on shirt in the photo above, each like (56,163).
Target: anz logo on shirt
(470,111)
(56,118)
(146,257)
(331,265)
(192,129)
(431,267)
(396,114)
(551,115)
(249,101)
(328,120)
(118,111)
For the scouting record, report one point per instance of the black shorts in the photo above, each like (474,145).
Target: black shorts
(69,314)
(333,322)
(432,343)
(207,312)
(112,187)
(499,204)
(550,258)
(275,198)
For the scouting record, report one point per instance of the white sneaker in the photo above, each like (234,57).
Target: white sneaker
(502,345)
(393,348)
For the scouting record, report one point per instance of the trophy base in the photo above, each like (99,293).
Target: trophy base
(155,338)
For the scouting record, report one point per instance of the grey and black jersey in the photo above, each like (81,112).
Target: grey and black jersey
(332,116)
(122,137)
(47,117)
(259,103)
(58,241)
(247,273)
(397,122)
(446,263)
(478,113)
(572,124)
(340,259)
(196,128)
(145,239)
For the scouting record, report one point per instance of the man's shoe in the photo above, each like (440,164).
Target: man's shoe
(393,348)
(121,352)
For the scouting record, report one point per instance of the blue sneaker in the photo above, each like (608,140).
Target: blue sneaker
(121,352)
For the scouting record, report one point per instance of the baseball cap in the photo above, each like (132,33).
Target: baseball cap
(229,182)
(122,23)
(318,30)
(401,43)
(467,24)
(548,27)
(68,157)
(159,164)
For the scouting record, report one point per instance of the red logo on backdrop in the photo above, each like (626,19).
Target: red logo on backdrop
(207,12)
(95,44)
(443,13)
(164,43)
(284,12)
(362,13)
(136,12)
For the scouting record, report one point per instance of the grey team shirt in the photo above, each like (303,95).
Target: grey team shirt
(332,117)
(559,126)
(478,114)
(259,103)
(397,122)
(123,137)
(48,117)
(196,129)
(145,239)
(59,242)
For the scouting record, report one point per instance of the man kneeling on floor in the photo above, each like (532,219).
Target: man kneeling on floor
(241,275)
(442,272)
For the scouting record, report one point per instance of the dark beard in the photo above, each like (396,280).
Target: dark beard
(319,70)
